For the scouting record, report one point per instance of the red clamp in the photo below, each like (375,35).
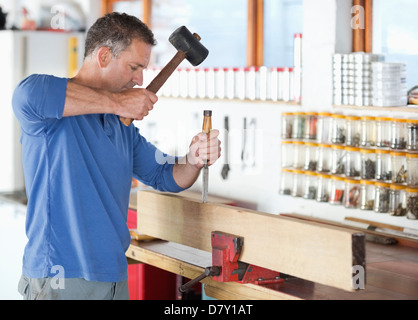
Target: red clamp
(226,249)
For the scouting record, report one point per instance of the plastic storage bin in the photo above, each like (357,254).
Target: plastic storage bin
(368,131)
(287,123)
(352,162)
(399,169)
(397,200)
(412,203)
(286,181)
(310,185)
(381,197)
(338,154)
(412,165)
(367,194)
(383,165)
(337,190)
(310,129)
(338,133)
(353,126)
(368,163)
(311,156)
(352,193)
(383,130)
(324,158)
(399,134)
(324,187)
(324,128)
(412,136)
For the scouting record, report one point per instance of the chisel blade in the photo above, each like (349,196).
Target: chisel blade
(205,183)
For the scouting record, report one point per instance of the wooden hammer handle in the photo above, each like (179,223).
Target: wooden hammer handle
(161,78)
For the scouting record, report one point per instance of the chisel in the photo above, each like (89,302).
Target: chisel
(207,126)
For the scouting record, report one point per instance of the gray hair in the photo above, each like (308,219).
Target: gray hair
(117,31)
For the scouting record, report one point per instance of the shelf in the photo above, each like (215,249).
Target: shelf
(408,108)
(279,102)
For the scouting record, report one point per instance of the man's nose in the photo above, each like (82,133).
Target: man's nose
(138,78)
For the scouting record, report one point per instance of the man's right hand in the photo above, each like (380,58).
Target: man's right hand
(135,103)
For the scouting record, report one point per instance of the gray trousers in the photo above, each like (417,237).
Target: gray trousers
(71,289)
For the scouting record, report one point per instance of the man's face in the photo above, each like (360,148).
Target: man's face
(126,70)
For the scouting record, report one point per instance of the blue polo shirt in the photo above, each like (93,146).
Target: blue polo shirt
(78,173)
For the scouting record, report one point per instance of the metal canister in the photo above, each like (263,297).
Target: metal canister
(230,83)
(192,83)
(210,82)
(184,82)
(239,80)
(201,83)
(220,83)
(273,87)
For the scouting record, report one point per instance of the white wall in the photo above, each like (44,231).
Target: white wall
(326,31)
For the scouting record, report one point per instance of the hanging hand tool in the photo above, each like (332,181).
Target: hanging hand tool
(188,47)
(225,168)
(207,126)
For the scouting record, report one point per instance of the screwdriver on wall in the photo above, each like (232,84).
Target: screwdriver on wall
(207,126)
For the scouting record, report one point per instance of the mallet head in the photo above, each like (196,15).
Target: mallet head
(183,40)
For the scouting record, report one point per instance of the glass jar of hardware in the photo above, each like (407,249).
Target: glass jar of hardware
(383,171)
(368,131)
(367,194)
(412,165)
(297,184)
(310,185)
(311,121)
(287,122)
(298,154)
(412,138)
(339,132)
(399,169)
(368,163)
(324,158)
(381,197)
(383,129)
(399,134)
(337,190)
(352,162)
(311,156)
(286,181)
(412,203)
(287,153)
(323,128)
(338,159)
(397,200)
(352,193)
(324,187)
(298,126)
(353,131)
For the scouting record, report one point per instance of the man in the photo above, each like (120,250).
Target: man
(79,160)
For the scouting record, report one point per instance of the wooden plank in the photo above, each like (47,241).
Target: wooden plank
(309,250)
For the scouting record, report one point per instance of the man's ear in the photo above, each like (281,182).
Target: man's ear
(103,57)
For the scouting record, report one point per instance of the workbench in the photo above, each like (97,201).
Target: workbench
(391,273)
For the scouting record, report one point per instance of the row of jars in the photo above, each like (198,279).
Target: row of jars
(252,83)
(370,164)
(353,131)
(380,197)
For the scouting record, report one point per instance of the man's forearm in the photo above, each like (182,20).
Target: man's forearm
(85,100)
(184,173)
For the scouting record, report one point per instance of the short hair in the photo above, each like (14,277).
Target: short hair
(117,31)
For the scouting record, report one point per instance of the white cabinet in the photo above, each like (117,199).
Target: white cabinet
(24,53)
